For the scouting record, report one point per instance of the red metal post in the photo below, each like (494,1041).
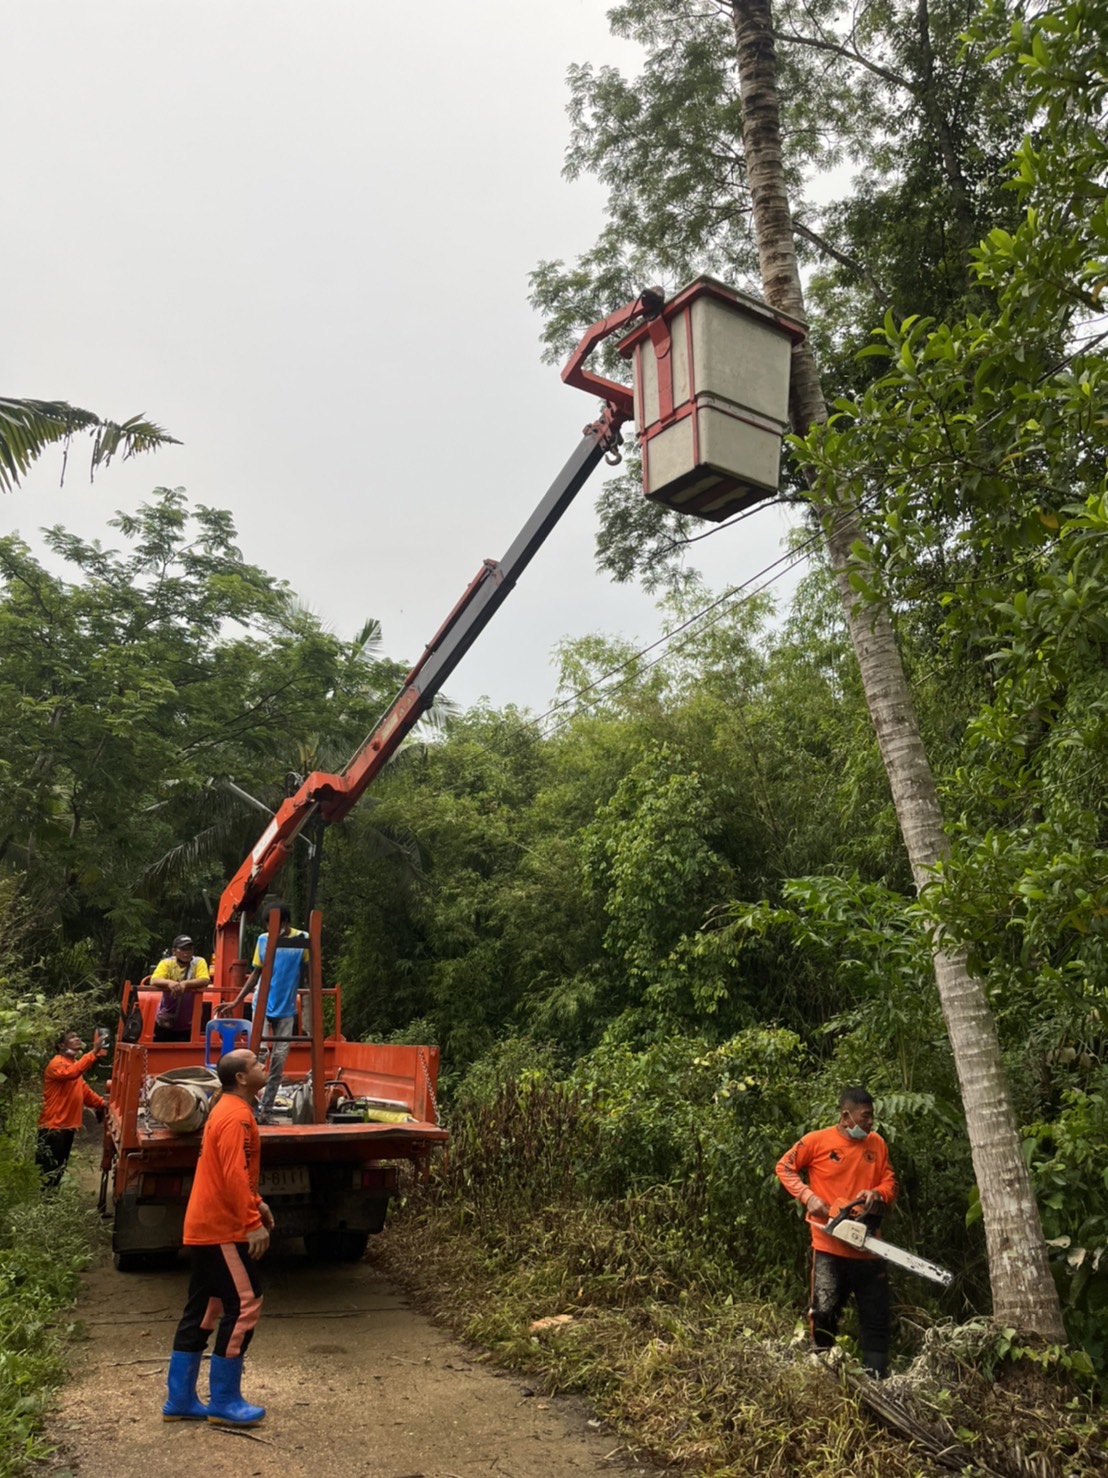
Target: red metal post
(315,998)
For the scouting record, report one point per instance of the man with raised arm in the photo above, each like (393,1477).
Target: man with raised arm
(65,1096)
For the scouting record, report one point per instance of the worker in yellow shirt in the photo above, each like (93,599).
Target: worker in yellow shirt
(181,974)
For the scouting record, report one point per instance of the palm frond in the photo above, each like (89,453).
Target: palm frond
(398,842)
(28,427)
(441,714)
(181,863)
(229,825)
(367,639)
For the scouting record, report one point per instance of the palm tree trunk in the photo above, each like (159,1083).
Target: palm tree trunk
(1023,1289)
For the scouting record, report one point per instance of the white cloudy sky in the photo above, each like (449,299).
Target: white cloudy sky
(298,236)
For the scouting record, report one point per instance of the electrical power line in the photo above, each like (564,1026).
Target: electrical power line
(731,598)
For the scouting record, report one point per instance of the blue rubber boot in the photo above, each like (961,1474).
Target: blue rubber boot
(226,1405)
(184,1405)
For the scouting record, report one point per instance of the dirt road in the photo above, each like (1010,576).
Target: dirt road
(356,1383)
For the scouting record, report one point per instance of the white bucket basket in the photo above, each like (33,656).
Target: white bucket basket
(711,381)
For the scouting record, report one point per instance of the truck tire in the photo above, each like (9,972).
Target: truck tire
(145,1262)
(354,1245)
(336,1245)
(131,1262)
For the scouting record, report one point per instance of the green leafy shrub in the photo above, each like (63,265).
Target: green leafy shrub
(1068,1156)
(44,1245)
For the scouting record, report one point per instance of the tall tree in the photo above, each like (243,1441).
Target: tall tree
(1023,1290)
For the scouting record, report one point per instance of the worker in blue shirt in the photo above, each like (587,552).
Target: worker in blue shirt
(290,973)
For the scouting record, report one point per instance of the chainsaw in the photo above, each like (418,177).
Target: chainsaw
(859,1233)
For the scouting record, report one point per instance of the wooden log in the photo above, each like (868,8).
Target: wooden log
(181,1107)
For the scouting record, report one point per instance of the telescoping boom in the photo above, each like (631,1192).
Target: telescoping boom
(330,796)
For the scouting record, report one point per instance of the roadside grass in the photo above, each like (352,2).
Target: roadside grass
(44,1246)
(710,1380)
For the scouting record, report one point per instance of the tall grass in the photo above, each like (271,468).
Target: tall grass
(45,1243)
(631,1198)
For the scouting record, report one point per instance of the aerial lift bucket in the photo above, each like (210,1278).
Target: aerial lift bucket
(711,397)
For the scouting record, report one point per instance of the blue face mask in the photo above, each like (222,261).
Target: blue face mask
(857,1132)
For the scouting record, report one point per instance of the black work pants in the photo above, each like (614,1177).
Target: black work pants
(52,1151)
(224,1289)
(834,1280)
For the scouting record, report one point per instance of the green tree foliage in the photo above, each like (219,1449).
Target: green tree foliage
(571,881)
(986,436)
(131,694)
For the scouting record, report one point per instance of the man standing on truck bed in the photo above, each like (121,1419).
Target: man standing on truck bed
(844,1163)
(227,1227)
(65,1095)
(181,975)
(290,971)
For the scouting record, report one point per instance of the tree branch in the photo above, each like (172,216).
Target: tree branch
(881,295)
(846,52)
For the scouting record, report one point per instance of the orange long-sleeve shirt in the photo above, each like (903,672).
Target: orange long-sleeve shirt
(65,1092)
(223,1204)
(838,1169)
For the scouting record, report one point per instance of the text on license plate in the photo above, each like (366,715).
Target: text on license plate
(284,1180)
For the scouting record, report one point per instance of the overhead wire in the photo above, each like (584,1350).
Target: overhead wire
(735,596)
(730,598)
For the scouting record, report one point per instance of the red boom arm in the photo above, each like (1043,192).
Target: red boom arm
(332,796)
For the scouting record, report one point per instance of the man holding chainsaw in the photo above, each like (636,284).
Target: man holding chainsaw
(829,1170)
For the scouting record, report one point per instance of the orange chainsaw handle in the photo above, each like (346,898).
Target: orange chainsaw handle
(844,1212)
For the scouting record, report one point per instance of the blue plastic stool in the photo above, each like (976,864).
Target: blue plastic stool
(227,1029)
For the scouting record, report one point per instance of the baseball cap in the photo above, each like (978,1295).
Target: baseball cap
(181,941)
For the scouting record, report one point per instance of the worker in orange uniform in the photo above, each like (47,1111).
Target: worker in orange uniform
(227,1227)
(825,1171)
(65,1096)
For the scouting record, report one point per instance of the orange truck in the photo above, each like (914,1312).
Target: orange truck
(327,1179)
(331,1160)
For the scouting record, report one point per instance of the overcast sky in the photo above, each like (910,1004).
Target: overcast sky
(298,236)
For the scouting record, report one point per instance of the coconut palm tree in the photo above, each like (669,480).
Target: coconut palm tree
(1023,1289)
(28,427)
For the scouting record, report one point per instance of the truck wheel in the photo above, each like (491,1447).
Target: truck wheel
(322,1246)
(354,1245)
(130,1262)
(336,1245)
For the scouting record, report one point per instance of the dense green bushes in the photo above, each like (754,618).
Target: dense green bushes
(674,1143)
(44,1241)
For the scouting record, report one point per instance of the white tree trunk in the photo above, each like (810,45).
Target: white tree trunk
(1023,1289)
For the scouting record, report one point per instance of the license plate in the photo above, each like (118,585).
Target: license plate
(284,1180)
